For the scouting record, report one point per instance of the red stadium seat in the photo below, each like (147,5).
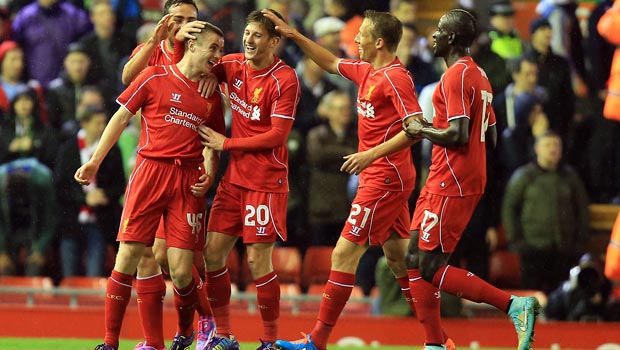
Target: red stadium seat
(286,264)
(93,289)
(505,270)
(33,290)
(316,267)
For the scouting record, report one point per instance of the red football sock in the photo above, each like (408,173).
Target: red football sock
(469,286)
(185,303)
(404,288)
(151,292)
(335,296)
(203,307)
(427,303)
(218,289)
(118,294)
(268,300)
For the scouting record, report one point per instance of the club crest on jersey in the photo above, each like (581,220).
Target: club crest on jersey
(237,84)
(370,90)
(175,97)
(256,95)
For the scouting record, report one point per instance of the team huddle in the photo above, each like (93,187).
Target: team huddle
(164,228)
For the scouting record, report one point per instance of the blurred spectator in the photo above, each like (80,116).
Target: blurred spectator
(493,64)
(314,84)
(555,76)
(344,10)
(5,25)
(128,144)
(422,71)
(128,16)
(44,29)
(24,135)
(505,41)
(566,38)
(524,73)
(328,205)
(545,214)
(584,296)
(11,75)
(105,47)
(326,32)
(64,92)
(287,50)
(407,12)
(27,216)
(90,214)
(517,141)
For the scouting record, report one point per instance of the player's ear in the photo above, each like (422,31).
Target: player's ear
(451,38)
(275,40)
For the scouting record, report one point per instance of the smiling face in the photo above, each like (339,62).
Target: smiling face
(181,14)
(366,42)
(258,45)
(208,48)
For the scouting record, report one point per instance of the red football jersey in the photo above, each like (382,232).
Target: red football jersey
(160,57)
(256,96)
(172,109)
(386,96)
(463,92)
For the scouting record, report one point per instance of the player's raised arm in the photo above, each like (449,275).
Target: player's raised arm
(110,135)
(140,60)
(316,52)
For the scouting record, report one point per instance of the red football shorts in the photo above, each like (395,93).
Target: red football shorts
(257,217)
(161,234)
(441,220)
(375,214)
(159,188)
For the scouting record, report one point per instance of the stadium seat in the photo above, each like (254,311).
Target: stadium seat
(316,267)
(505,270)
(286,264)
(89,290)
(33,290)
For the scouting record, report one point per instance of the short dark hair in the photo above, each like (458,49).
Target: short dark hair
(514,65)
(88,112)
(170,3)
(385,26)
(463,24)
(257,16)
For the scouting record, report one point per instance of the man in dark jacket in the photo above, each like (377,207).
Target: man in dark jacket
(545,214)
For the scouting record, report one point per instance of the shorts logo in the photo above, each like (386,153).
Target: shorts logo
(195,221)
(425,236)
(261,231)
(355,230)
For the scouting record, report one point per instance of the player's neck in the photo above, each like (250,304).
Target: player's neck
(261,63)
(382,59)
(455,55)
(190,70)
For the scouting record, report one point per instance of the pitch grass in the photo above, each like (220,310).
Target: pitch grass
(87,344)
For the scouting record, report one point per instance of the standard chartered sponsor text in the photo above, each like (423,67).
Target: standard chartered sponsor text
(190,119)
(239,105)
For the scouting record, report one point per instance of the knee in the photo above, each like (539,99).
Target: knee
(427,273)
(411,260)
(398,267)
(214,259)
(181,276)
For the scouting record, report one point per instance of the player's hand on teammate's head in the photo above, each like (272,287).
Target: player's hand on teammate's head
(188,29)
(281,26)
